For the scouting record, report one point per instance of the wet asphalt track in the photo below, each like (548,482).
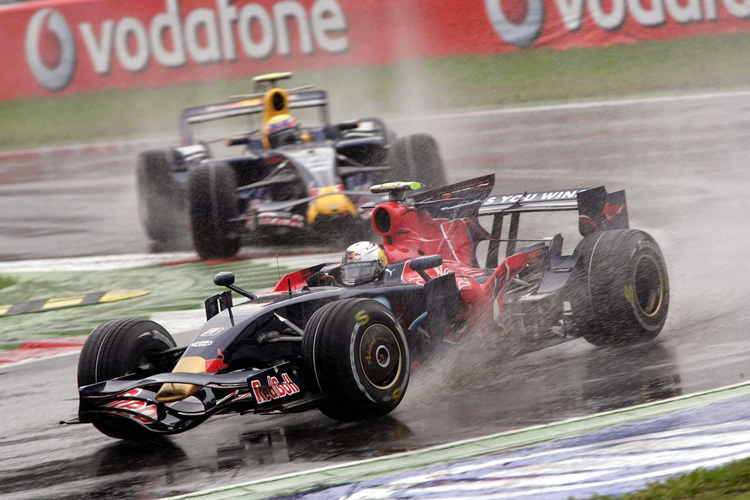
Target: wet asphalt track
(686,170)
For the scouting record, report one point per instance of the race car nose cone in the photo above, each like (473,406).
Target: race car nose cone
(170,392)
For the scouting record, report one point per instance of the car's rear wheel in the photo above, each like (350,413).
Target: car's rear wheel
(356,354)
(213,203)
(417,158)
(160,201)
(620,291)
(121,347)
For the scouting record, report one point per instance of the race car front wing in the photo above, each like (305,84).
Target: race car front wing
(271,390)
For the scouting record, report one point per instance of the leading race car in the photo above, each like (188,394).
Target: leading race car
(343,337)
(280,178)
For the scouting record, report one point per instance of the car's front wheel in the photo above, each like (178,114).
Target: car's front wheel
(356,354)
(122,347)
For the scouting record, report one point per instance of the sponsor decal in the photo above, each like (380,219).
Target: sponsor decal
(142,410)
(643,244)
(176,37)
(610,211)
(50,49)
(227,397)
(274,389)
(362,318)
(529,197)
(202,343)
(274,220)
(212,332)
(214,365)
(246,395)
(521,22)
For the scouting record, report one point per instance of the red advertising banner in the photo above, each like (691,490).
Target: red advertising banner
(57,47)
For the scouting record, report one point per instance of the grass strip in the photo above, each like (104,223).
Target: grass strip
(685,64)
(729,482)
(7,281)
(173,288)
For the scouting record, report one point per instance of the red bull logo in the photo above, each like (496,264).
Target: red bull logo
(274,389)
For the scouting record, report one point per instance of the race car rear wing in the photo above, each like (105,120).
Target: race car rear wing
(597,209)
(202,114)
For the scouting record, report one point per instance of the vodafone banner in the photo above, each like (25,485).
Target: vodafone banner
(58,47)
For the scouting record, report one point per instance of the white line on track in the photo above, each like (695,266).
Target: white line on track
(129,261)
(580,105)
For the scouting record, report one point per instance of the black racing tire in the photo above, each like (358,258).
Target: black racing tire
(620,290)
(160,200)
(417,158)
(118,348)
(356,354)
(213,202)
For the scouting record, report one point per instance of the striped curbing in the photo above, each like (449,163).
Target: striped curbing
(452,452)
(42,305)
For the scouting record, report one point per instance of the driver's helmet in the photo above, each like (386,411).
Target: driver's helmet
(282,130)
(362,262)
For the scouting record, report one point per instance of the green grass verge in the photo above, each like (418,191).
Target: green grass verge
(6,281)
(173,288)
(687,64)
(730,482)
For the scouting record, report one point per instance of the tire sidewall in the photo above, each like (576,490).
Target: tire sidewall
(377,317)
(646,248)
(333,365)
(604,299)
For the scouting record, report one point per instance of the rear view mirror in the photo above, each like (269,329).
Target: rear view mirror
(420,264)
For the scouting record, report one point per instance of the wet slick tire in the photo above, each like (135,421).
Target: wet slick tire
(621,288)
(213,202)
(417,158)
(160,204)
(117,348)
(355,353)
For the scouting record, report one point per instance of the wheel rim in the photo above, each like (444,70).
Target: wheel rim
(648,285)
(380,357)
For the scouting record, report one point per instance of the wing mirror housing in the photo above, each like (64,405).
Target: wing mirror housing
(420,264)
(226,279)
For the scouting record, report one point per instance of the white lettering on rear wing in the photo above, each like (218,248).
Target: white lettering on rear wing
(546,201)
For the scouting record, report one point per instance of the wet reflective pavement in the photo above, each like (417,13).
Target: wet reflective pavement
(684,166)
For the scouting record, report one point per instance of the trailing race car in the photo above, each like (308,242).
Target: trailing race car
(343,337)
(282,178)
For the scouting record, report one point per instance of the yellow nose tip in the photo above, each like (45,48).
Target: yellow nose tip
(175,392)
(170,392)
(331,204)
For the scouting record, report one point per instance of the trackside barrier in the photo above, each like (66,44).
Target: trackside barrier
(58,47)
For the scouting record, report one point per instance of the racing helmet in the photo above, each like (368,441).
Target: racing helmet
(281,130)
(362,262)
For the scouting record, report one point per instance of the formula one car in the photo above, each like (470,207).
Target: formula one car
(282,178)
(343,337)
